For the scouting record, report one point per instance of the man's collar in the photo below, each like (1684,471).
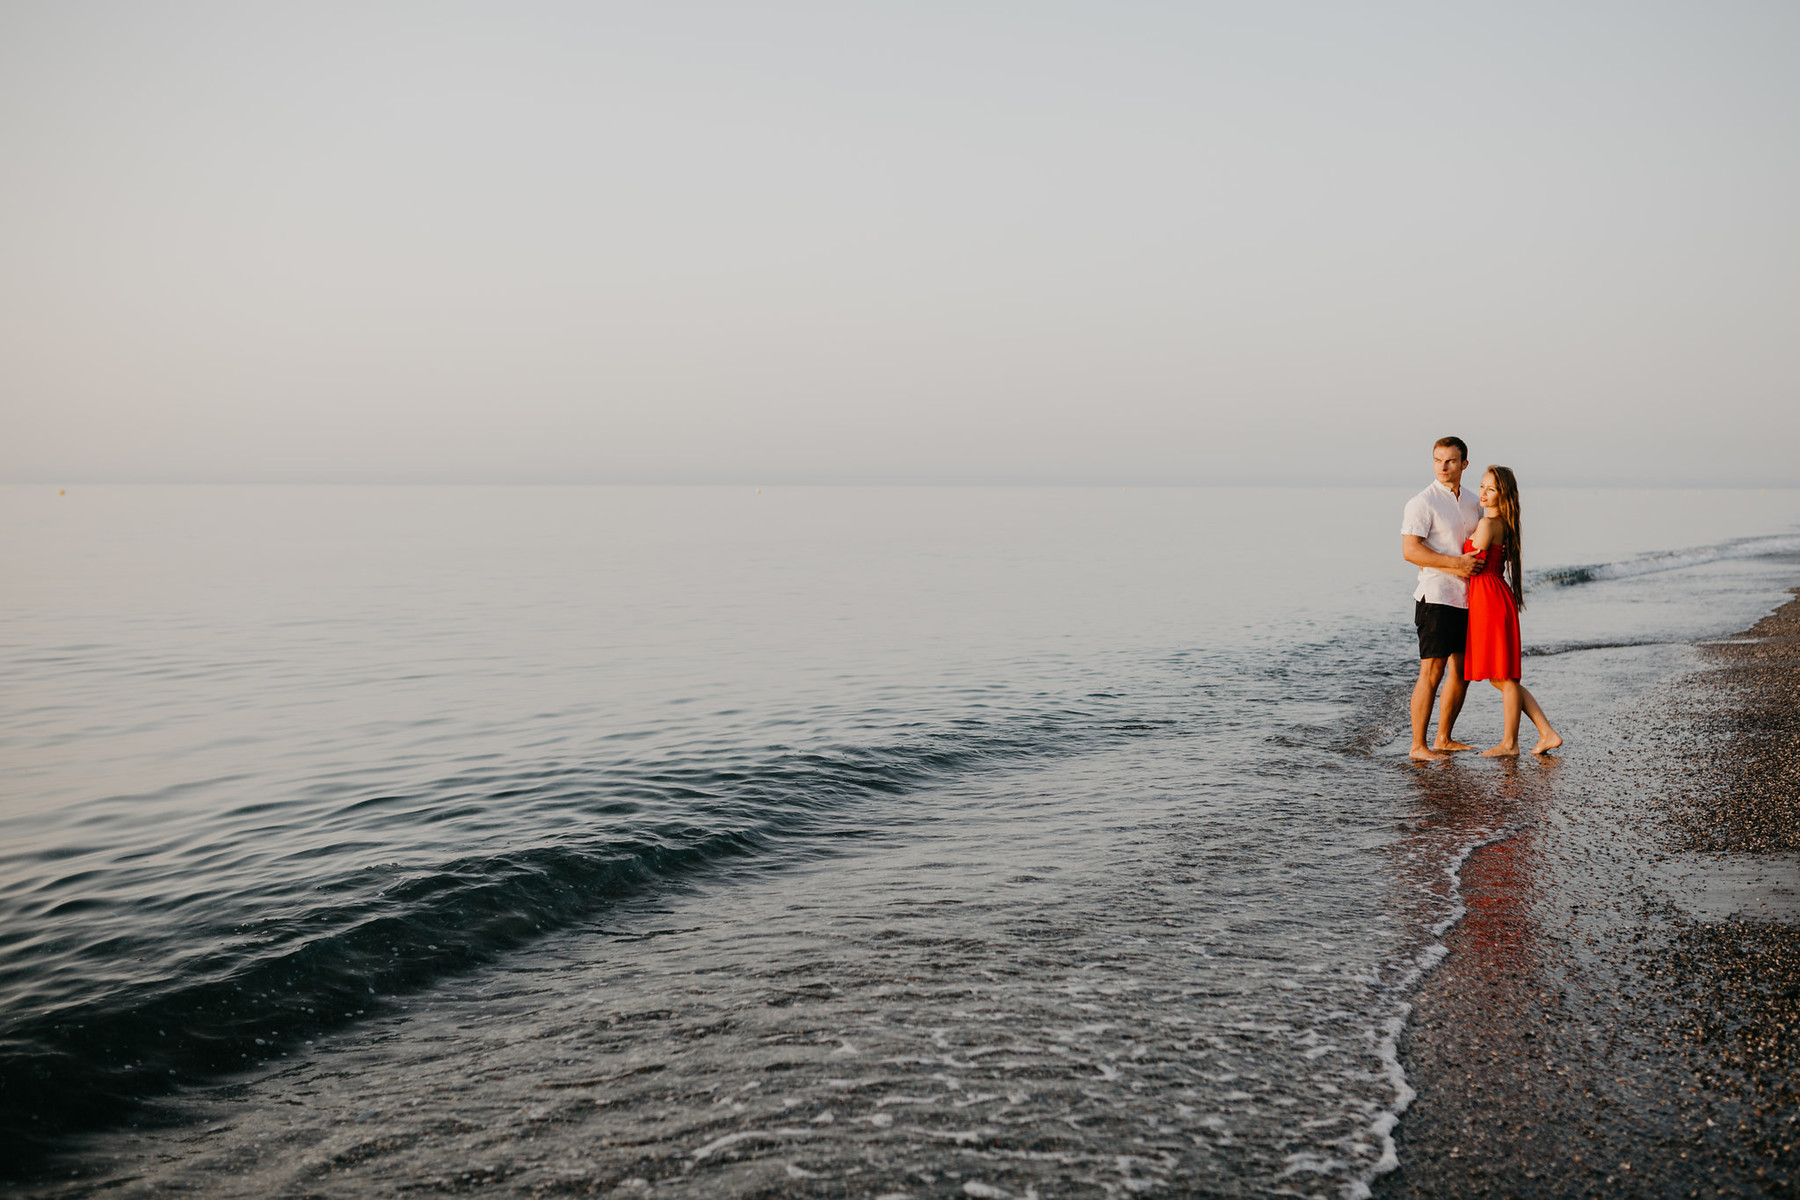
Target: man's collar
(1456,492)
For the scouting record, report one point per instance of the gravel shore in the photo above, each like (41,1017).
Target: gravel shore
(1619,1013)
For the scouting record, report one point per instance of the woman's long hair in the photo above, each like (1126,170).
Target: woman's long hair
(1507,501)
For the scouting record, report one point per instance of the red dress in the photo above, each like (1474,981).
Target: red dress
(1493,647)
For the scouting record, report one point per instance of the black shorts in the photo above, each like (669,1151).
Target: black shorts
(1443,629)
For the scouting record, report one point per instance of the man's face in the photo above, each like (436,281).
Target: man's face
(1449,465)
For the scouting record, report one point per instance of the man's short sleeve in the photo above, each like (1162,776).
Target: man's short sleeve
(1416,520)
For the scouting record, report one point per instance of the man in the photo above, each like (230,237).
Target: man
(1432,531)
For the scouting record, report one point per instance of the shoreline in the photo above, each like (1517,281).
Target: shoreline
(1619,1010)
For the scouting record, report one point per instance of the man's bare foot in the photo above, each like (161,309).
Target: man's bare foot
(1547,743)
(1423,755)
(1450,747)
(1503,750)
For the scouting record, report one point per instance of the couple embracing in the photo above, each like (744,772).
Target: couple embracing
(1471,588)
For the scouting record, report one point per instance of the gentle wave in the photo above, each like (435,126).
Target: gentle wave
(84,1063)
(1670,560)
(1553,649)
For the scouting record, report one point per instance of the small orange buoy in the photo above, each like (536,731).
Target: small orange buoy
(61,492)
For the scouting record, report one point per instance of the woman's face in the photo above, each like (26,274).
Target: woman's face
(1489,495)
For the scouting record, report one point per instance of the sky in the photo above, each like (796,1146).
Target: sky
(1119,242)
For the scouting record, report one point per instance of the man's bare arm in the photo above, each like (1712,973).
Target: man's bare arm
(1414,550)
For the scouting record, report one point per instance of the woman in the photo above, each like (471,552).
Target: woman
(1492,652)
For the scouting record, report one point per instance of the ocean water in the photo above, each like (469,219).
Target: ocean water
(718,842)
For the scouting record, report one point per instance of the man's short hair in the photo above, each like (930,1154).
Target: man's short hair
(1462,449)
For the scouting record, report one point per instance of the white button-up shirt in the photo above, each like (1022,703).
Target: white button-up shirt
(1443,520)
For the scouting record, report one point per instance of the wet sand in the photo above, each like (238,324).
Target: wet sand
(1619,1012)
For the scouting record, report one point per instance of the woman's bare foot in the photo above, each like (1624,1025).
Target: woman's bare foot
(1450,747)
(1547,742)
(1421,754)
(1503,750)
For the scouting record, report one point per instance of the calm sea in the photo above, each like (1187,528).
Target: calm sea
(716,841)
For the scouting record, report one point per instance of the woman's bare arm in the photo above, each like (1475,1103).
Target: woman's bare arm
(1485,533)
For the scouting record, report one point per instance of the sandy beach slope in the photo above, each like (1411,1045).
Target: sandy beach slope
(1619,1014)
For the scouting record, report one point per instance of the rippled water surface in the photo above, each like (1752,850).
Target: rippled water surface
(866,841)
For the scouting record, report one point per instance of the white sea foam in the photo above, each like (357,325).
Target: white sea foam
(732,1139)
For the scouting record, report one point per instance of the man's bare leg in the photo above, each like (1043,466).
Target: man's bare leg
(1431,673)
(1455,690)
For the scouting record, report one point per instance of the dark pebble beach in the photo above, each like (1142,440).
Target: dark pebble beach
(1619,1011)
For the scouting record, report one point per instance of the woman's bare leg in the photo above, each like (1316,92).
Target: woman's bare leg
(1548,738)
(1509,741)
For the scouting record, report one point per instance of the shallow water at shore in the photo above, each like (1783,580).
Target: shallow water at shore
(910,840)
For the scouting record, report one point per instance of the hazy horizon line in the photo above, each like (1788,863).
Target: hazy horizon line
(895,482)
